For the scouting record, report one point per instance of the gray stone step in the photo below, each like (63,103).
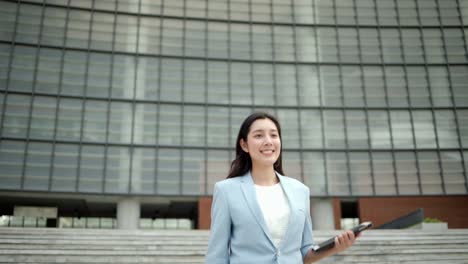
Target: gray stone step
(86,246)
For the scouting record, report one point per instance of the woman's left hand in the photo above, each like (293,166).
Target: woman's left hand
(344,240)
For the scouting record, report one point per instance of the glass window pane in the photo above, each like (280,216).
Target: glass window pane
(239,40)
(217,168)
(308,85)
(99,74)
(144,170)
(217,90)
(194,126)
(331,86)
(314,173)
(16,116)
(405,163)
(69,119)
(454,45)
(429,169)
(283,43)
(369,41)
(168,171)
(401,129)
(7,18)
(95,121)
(292,164)
(11,164)
(74,72)
(356,129)
(366,12)
(433,45)
(117,174)
(48,71)
(454,179)
(337,173)
(123,77)
(391,46)
(418,86)
(446,128)
(195,36)
(218,127)
(172,32)
(462,116)
(306,44)
(146,121)
(91,175)
(325,12)
(375,92)
(195,82)
(171,80)
(43,118)
(149,39)
(169,125)
(384,173)
(22,69)
(311,129)
(217,40)
(78,29)
(360,172)
(65,167)
(424,129)
(286,87)
(379,130)
(147,79)
(289,128)
(396,86)
(126,29)
(28,23)
(241,83)
(120,123)
(262,43)
(327,45)
(237,117)
(353,92)
(334,129)
(439,86)
(348,44)
(458,76)
(102,31)
(193,172)
(387,14)
(264,88)
(407,12)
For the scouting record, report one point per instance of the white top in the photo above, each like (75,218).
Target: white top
(275,208)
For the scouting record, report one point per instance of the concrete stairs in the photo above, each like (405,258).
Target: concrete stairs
(85,246)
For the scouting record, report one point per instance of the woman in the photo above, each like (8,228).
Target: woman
(258,215)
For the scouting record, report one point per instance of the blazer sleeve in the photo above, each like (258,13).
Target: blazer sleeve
(220,234)
(307,237)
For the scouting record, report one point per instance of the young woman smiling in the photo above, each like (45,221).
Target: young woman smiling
(258,215)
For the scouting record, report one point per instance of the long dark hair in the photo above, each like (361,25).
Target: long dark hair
(242,163)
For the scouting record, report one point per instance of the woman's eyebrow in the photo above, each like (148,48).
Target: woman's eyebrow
(262,130)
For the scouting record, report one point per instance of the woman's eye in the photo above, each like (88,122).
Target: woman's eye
(257,136)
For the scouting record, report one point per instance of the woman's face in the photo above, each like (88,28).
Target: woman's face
(263,142)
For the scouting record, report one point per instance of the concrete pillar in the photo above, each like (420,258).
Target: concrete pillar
(322,214)
(128,213)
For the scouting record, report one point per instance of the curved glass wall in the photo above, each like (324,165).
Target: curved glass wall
(146,97)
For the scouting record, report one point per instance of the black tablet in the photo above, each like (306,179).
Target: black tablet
(331,242)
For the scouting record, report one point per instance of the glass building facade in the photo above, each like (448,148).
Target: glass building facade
(145,97)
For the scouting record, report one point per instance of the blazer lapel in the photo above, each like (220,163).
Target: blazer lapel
(250,195)
(292,208)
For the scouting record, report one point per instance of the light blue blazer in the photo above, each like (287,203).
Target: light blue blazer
(239,233)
